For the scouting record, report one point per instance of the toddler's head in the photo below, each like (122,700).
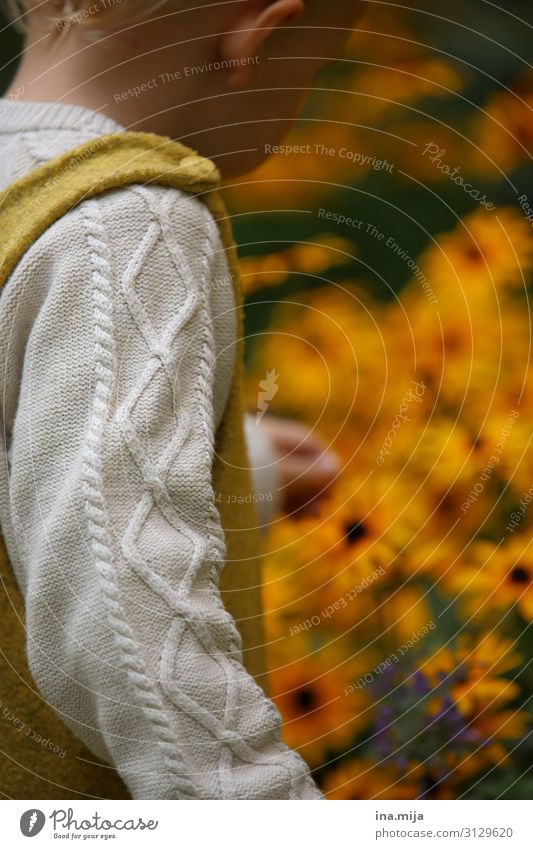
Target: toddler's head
(226,78)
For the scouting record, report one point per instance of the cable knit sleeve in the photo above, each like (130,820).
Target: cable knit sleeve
(112,508)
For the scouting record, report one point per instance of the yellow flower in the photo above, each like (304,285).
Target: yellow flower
(487,249)
(299,571)
(297,179)
(325,573)
(449,718)
(369,514)
(511,429)
(408,80)
(318,712)
(493,578)
(313,257)
(405,611)
(314,346)
(475,670)
(362,779)
(504,133)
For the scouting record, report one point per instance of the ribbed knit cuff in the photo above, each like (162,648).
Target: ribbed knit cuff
(263,463)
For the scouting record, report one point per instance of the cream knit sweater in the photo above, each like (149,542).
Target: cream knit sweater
(164,251)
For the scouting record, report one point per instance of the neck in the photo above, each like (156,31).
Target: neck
(113,76)
(169,91)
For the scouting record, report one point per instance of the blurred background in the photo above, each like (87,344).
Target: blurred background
(387,267)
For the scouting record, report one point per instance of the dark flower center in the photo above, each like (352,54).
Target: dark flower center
(305,699)
(453,340)
(520,575)
(447,504)
(355,531)
(428,785)
(473,253)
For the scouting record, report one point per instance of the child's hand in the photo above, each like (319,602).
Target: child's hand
(305,466)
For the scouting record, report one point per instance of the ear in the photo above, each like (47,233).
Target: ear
(251,30)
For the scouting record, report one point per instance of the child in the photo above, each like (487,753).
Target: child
(120,372)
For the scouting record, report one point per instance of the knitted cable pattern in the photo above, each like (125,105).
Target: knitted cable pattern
(215,631)
(95,508)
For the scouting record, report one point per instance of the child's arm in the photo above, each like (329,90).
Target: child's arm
(112,503)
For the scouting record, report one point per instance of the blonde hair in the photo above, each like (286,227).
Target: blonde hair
(95,15)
